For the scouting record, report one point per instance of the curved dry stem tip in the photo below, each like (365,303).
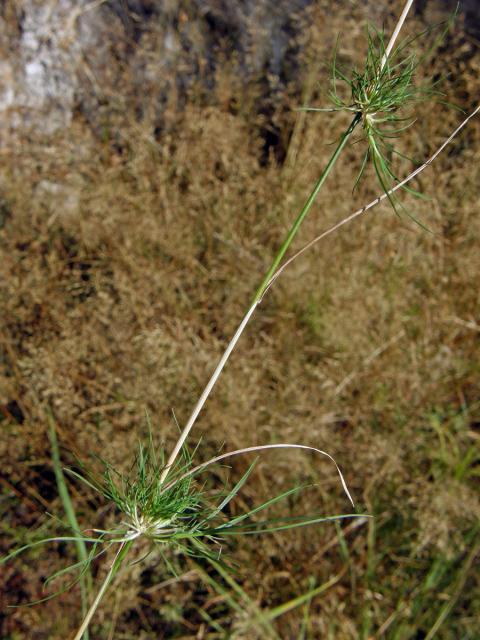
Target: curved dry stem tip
(263,447)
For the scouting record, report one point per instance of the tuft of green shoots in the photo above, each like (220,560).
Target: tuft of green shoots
(380,96)
(147,508)
(183,509)
(183,514)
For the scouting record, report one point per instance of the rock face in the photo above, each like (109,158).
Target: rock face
(41,58)
(62,56)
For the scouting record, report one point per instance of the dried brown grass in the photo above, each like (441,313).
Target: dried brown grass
(120,288)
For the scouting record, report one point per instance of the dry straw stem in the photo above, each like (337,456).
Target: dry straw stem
(277,260)
(206,392)
(396,32)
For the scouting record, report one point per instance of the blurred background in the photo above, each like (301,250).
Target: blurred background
(152,158)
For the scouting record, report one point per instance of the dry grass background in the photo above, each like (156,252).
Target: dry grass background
(119,288)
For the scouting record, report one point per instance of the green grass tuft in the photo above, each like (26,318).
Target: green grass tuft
(381,95)
(182,514)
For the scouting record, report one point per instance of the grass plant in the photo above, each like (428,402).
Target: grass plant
(382,89)
(180,514)
(166,504)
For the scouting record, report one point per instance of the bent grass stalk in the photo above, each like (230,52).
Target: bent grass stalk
(258,296)
(362,111)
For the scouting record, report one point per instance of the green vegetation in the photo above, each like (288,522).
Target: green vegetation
(82,554)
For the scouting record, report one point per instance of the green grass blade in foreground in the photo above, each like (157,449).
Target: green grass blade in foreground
(84,567)
(231,494)
(85,577)
(241,603)
(259,617)
(459,586)
(284,524)
(282,496)
(38,543)
(281,609)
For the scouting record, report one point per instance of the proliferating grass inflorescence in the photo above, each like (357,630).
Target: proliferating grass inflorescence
(147,508)
(181,514)
(380,96)
(184,509)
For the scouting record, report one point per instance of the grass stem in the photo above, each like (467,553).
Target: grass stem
(116,564)
(452,601)
(206,392)
(396,32)
(265,283)
(86,578)
(306,208)
(259,293)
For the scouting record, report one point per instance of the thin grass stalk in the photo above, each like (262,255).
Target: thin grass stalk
(452,601)
(286,607)
(277,260)
(259,293)
(206,392)
(86,578)
(114,569)
(306,208)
